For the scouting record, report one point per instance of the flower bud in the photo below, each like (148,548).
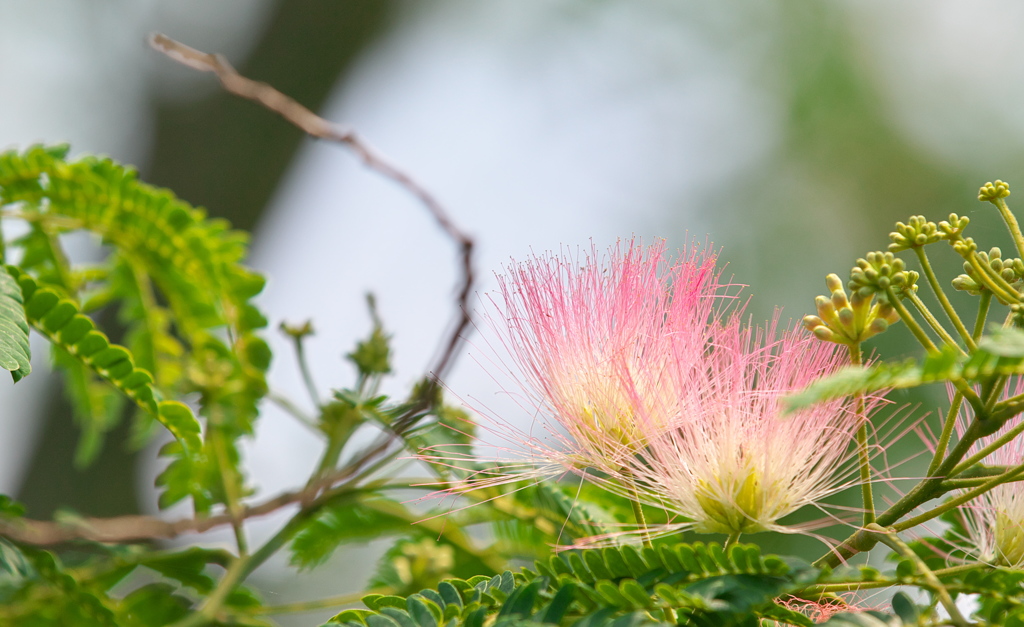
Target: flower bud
(852,320)
(991,192)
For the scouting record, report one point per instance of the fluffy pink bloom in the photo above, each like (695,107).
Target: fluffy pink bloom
(734,464)
(598,342)
(639,385)
(595,342)
(995,520)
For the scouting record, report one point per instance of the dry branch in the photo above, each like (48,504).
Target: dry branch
(316,126)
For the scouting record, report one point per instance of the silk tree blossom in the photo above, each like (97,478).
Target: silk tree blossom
(641,386)
(595,345)
(733,464)
(994,520)
(599,343)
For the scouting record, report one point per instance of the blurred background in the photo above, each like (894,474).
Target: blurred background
(791,134)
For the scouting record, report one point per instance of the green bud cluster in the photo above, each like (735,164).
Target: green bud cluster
(1011,270)
(991,192)
(1017,315)
(878,272)
(918,232)
(848,321)
(964,247)
(952,229)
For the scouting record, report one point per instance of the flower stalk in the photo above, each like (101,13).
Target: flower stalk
(862,446)
(911,323)
(889,538)
(940,294)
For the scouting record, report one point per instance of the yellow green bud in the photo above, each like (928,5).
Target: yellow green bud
(916,233)
(990,192)
(953,229)
(852,320)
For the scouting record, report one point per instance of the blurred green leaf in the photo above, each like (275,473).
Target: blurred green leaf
(14,348)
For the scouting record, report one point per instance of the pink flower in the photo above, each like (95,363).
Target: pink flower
(596,342)
(639,385)
(733,464)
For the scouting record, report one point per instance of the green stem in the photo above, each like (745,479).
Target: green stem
(825,588)
(641,521)
(1006,477)
(229,480)
(208,612)
(863,455)
(965,484)
(970,396)
(1008,408)
(889,538)
(991,398)
(733,538)
(911,323)
(243,567)
(947,306)
(979,322)
(307,377)
(947,433)
(987,450)
(319,604)
(932,321)
(60,258)
(923,492)
(638,509)
(329,460)
(1011,223)
(293,410)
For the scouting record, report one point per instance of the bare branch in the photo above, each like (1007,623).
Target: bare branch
(138,528)
(317,126)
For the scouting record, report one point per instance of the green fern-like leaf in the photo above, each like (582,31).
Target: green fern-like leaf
(59,320)
(164,251)
(97,406)
(188,566)
(999,353)
(195,262)
(196,259)
(348,521)
(14,349)
(852,380)
(699,584)
(51,597)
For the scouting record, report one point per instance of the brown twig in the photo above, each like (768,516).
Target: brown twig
(317,126)
(137,528)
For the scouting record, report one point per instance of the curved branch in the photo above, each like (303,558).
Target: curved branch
(316,126)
